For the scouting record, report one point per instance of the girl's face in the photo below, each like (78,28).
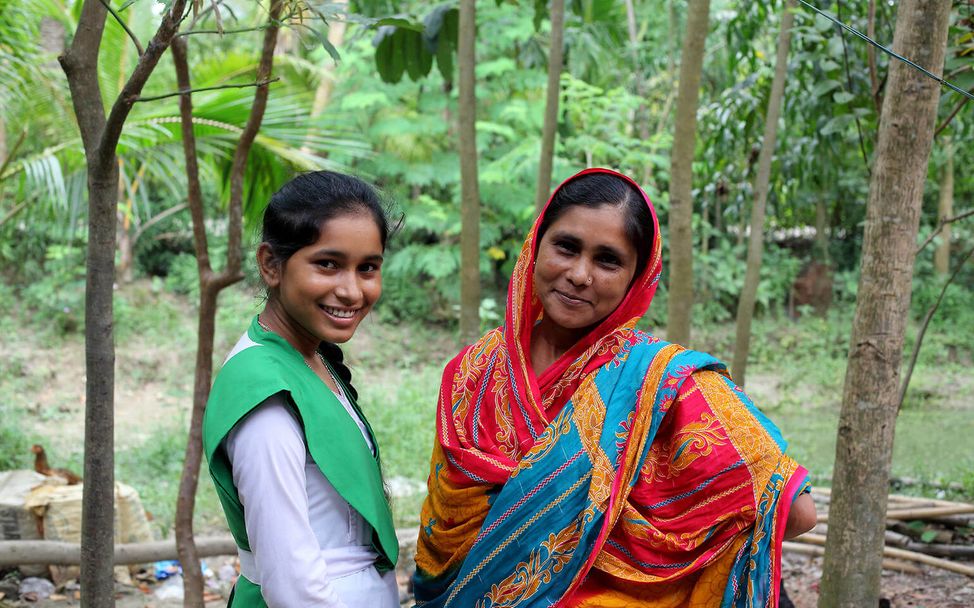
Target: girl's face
(584,265)
(324,290)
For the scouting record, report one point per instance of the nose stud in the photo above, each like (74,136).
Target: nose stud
(588,281)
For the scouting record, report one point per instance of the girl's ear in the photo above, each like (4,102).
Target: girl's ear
(270,269)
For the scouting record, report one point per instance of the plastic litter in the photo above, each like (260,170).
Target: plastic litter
(227,573)
(171,588)
(165,569)
(40,588)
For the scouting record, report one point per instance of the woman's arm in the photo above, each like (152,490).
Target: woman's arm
(801,517)
(268,456)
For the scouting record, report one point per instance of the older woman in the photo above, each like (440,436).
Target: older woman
(581,462)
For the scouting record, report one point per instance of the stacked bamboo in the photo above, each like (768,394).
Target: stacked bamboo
(902,550)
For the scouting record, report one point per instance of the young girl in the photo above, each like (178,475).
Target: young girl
(295,463)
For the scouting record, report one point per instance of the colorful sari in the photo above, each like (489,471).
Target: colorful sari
(631,472)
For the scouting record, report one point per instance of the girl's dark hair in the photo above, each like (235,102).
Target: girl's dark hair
(594,190)
(296,213)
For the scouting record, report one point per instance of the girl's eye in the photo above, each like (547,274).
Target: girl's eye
(329,264)
(369,268)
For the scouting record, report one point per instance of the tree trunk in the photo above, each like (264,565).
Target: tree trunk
(941,257)
(326,73)
(821,230)
(864,447)
(210,287)
(639,117)
(100,137)
(680,297)
(755,248)
(469,188)
(551,104)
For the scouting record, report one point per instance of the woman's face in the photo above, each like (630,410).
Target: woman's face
(325,289)
(584,265)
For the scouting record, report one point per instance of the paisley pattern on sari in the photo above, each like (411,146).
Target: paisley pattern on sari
(631,471)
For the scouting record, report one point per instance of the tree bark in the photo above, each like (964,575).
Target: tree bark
(680,296)
(755,247)
(821,230)
(941,257)
(210,286)
(469,187)
(57,553)
(851,572)
(550,126)
(100,137)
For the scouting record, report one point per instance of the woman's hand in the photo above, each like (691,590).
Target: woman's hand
(801,518)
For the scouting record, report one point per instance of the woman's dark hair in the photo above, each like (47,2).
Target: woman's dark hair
(594,190)
(296,213)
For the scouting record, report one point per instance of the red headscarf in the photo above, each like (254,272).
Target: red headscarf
(494,375)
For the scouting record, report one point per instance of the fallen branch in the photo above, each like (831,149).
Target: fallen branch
(891,552)
(929,512)
(902,541)
(56,553)
(817,551)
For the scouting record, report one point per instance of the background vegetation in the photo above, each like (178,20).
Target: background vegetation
(401,136)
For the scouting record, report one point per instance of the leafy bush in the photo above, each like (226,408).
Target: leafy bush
(57,292)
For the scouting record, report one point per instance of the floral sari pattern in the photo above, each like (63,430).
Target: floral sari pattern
(630,471)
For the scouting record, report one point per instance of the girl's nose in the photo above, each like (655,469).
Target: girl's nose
(348,290)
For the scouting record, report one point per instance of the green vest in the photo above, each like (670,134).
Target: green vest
(248,378)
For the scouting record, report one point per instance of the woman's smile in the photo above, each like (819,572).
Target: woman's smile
(571,300)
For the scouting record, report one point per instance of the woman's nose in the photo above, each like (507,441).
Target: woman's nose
(579,273)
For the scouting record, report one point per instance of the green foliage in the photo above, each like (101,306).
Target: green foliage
(56,295)
(402,45)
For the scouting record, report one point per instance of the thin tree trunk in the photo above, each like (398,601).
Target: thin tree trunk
(864,447)
(326,74)
(3,142)
(639,118)
(941,257)
(210,286)
(680,296)
(821,230)
(755,248)
(469,187)
(672,37)
(100,135)
(551,104)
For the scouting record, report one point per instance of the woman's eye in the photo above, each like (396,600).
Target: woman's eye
(565,246)
(369,268)
(609,261)
(329,264)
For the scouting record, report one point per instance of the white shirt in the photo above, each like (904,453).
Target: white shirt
(303,535)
